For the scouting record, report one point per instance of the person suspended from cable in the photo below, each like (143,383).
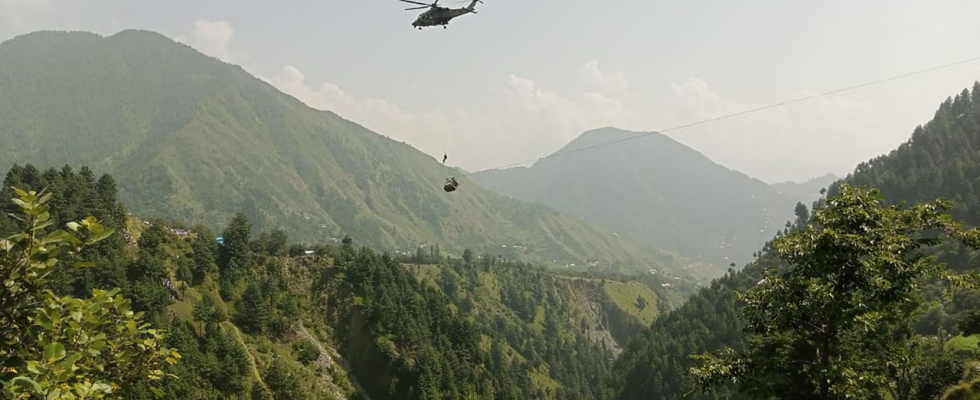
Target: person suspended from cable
(444,157)
(451,185)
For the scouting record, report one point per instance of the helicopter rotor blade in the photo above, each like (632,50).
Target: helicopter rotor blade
(415,2)
(417,8)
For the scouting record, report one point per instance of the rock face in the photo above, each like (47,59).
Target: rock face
(333,368)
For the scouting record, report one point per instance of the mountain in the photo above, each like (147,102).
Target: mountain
(809,191)
(188,137)
(939,161)
(653,190)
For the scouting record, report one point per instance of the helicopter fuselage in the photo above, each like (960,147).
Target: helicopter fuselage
(436,16)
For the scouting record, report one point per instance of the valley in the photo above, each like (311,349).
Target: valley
(259,248)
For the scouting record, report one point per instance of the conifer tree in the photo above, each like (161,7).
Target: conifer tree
(235,250)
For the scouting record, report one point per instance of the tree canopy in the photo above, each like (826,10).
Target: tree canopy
(836,323)
(63,347)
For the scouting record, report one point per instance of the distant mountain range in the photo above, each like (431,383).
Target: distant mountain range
(940,160)
(808,191)
(191,138)
(656,191)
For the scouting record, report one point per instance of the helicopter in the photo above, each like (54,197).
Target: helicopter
(436,15)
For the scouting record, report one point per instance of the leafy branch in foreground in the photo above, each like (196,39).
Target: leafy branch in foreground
(55,347)
(836,323)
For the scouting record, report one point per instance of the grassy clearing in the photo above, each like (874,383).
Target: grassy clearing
(626,294)
(958,343)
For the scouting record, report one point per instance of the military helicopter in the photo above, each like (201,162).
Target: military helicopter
(436,15)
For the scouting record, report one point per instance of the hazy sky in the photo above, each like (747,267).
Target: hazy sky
(522,78)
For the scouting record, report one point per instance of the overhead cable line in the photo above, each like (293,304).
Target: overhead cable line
(754,110)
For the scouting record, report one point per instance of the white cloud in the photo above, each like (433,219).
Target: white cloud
(527,121)
(213,38)
(14,13)
(425,130)
(695,98)
(613,84)
(558,119)
(803,136)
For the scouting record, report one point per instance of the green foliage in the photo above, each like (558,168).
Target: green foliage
(255,314)
(543,335)
(66,347)
(205,251)
(656,364)
(939,160)
(836,324)
(306,351)
(209,312)
(75,196)
(282,382)
(235,250)
(633,297)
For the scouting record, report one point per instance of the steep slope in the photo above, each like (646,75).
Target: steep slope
(655,364)
(194,139)
(252,322)
(656,191)
(807,192)
(941,159)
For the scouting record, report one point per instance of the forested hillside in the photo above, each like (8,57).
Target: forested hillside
(935,163)
(190,138)
(941,159)
(656,191)
(258,317)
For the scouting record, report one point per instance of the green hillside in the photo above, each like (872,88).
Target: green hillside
(932,164)
(656,191)
(942,158)
(193,139)
(258,318)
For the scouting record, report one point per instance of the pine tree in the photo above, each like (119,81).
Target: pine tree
(278,242)
(234,252)
(255,313)
(283,384)
(205,248)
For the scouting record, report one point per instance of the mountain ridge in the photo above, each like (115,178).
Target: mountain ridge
(654,190)
(927,166)
(809,190)
(192,138)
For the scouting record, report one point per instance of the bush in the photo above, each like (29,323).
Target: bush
(65,347)
(306,351)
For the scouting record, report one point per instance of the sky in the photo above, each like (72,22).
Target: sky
(521,79)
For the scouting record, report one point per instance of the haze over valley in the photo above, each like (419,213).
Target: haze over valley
(699,201)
